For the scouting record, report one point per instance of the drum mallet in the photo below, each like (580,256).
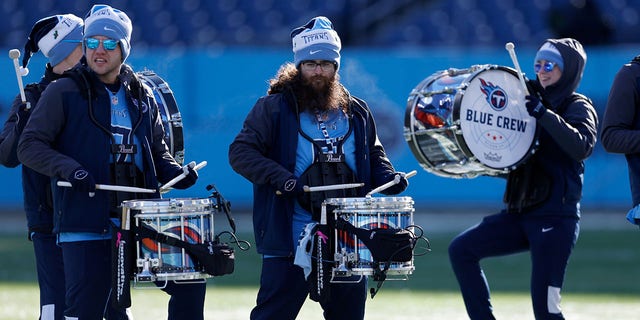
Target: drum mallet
(14,54)
(512,53)
(109,187)
(395,181)
(185,172)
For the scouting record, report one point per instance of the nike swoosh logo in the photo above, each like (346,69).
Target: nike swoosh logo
(547,229)
(108,29)
(310,52)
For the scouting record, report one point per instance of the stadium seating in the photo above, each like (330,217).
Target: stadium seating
(201,23)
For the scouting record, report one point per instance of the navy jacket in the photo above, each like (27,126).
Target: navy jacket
(64,134)
(568,132)
(621,122)
(264,152)
(35,186)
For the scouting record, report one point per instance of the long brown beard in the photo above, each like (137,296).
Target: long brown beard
(316,93)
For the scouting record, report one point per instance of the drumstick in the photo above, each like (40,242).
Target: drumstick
(395,180)
(185,172)
(109,187)
(332,187)
(512,53)
(14,54)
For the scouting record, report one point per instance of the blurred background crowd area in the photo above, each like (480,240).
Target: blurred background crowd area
(370,23)
(200,47)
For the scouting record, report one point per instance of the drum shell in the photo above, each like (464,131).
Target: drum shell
(187,219)
(447,129)
(169,113)
(370,213)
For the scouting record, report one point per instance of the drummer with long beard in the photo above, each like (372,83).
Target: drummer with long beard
(307,131)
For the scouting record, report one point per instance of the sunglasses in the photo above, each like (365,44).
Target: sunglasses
(548,66)
(107,44)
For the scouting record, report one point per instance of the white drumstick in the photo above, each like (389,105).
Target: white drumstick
(110,187)
(332,187)
(185,172)
(512,53)
(14,54)
(395,181)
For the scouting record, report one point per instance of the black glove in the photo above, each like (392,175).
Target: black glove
(82,181)
(400,186)
(535,108)
(22,116)
(292,187)
(188,180)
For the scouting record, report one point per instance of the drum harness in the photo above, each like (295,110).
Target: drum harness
(329,167)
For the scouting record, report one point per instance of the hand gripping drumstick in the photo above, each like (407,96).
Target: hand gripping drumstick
(512,53)
(396,180)
(185,172)
(14,54)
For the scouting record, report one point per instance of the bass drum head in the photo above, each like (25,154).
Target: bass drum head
(169,113)
(494,121)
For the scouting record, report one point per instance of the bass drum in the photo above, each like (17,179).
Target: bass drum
(463,123)
(168,107)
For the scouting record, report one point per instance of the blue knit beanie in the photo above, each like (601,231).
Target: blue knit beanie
(550,53)
(316,40)
(103,20)
(56,36)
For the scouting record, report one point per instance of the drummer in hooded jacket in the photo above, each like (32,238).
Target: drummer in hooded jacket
(543,195)
(99,125)
(307,130)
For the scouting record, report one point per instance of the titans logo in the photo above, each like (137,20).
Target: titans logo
(496,97)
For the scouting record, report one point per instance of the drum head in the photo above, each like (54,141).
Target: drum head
(494,121)
(168,107)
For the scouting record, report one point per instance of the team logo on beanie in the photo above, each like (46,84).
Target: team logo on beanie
(56,36)
(316,40)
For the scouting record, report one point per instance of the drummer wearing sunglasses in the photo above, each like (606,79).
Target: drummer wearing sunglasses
(100,125)
(542,197)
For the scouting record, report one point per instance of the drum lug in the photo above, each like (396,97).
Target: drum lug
(342,270)
(145,275)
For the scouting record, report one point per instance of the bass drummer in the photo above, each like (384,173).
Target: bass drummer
(307,130)
(543,195)
(100,125)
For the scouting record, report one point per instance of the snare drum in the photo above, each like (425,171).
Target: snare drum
(368,213)
(462,123)
(186,219)
(168,107)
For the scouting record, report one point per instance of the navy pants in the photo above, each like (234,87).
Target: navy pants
(283,290)
(87,272)
(550,240)
(187,299)
(50,275)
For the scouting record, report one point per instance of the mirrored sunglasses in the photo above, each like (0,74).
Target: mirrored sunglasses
(548,66)
(107,44)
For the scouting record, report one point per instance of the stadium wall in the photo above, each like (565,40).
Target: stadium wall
(215,88)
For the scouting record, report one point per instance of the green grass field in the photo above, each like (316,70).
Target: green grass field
(603,282)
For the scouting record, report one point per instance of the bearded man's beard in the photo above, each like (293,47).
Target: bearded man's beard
(320,93)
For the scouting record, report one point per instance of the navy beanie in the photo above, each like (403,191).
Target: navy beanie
(56,36)
(316,40)
(103,20)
